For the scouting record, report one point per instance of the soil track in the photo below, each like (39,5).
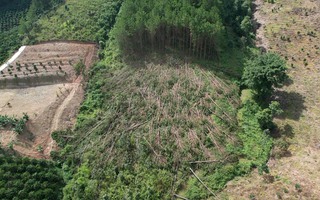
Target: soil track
(52,106)
(291,28)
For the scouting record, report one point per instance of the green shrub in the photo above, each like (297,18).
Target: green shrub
(263,73)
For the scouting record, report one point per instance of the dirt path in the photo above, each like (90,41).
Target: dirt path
(57,116)
(260,23)
(292,28)
(55,124)
(51,106)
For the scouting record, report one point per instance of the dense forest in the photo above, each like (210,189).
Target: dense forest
(166,112)
(193,27)
(24,178)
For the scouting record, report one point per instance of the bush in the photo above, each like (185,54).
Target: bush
(263,73)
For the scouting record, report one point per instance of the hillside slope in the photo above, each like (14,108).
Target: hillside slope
(138,122)
(292,29)
(154,120)
(83,20)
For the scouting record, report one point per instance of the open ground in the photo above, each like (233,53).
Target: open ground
(43,83)
(292,29)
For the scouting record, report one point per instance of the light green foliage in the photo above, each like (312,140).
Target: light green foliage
(144,183)
(195,190)
(140,183)
(85,20)
(264,72)
(256,143)
(81,186)
(195,27)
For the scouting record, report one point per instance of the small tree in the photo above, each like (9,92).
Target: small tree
(265,72)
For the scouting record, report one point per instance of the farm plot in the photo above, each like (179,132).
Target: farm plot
(46,64)
(54,70)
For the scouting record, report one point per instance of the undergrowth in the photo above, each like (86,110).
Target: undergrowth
(17,125)
(141,129)
(83,20)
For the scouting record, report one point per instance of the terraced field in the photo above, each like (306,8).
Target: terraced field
(45,82)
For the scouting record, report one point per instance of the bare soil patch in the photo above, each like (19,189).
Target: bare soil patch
(46,64)
(52,103)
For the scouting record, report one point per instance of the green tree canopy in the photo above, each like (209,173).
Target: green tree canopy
(265,72)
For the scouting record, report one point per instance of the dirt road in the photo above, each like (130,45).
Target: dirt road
(50,107)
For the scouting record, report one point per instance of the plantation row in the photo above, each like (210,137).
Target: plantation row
(35,68)
(10,14)
(24,178)
(9,20)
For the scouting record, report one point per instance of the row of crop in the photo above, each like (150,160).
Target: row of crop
(24,178)
(11,13)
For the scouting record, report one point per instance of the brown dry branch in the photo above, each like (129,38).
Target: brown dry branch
(203,183)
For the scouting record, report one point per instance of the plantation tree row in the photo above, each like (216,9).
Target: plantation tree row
(24,178)
(36,8)
(11,13)
(196,27)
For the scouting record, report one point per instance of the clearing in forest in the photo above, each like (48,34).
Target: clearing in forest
(291,28)
(45,82)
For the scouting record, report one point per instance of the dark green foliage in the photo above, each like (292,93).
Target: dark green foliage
(9,42)
(265,116)
(11,12)
(24,178)
(264,72)
(17,125)
(80,68)
(196,28)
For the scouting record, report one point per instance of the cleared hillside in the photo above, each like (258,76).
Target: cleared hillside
(44,83)
(291,28)
(162,116)
(151,118)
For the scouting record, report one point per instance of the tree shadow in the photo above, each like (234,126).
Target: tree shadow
(288,82)
(292,104)
(286,131)
(281,142)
